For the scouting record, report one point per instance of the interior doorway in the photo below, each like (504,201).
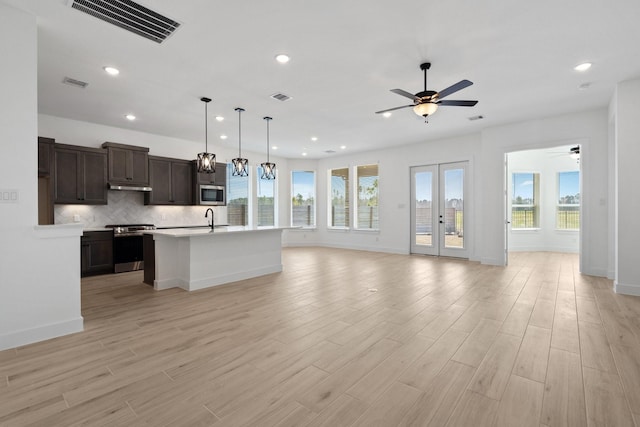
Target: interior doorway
(437,209)
(542,200)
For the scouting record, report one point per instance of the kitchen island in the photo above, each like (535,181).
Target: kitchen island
(198,258)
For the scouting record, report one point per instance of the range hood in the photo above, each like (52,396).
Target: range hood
(120,187)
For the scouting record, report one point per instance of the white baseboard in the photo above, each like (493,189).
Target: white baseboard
(621,288)
(41,333)
(492,261)
(195,285)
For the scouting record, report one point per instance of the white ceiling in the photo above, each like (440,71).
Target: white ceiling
(346,56)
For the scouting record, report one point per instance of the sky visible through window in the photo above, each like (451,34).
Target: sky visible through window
(523,186)
(453,179)
(303,183)
(265,186)
(568,183)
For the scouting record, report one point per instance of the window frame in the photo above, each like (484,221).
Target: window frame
(249,206)
(356,191)
(314,208)
(258,171)
(535,206)
(347,195)
(566,205)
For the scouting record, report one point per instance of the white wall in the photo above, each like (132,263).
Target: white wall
(588,128)
(627,184)
(485,152)
(548,163)
(39,266)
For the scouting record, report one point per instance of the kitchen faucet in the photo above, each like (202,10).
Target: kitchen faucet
(206,215)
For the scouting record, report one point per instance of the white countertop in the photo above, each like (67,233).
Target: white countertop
(192,232)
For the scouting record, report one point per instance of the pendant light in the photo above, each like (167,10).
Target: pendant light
(206,160)
(268,168)
(240,167)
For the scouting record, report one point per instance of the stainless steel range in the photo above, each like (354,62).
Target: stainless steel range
(127,246)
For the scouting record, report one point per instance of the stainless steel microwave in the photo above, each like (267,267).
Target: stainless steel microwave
(212,195)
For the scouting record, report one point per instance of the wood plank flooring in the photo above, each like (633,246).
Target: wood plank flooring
(342,338)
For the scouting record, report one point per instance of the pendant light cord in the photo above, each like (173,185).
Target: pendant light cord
(239,132)
(268,120)
(206,129)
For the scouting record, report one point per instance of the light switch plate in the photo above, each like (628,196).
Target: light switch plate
(9,195)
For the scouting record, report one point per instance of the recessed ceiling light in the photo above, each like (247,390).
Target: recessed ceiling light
(223,136)
(111,71)
(130,117)
(342,147)
(582,67)
(304,154)
(219,118)
(282,58)
(314,138)
(274,148)
(387,114)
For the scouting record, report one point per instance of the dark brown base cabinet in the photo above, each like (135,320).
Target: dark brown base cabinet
(80,175)
(149,255)
(171,182)
(96,253)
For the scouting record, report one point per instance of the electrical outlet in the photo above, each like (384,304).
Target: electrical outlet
(76,218)
(163,217)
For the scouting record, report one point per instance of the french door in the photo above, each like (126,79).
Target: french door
(438,193)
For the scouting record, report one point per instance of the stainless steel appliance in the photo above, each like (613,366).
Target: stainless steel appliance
(211,195)
(127,246)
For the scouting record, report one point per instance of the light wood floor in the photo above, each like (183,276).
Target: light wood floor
(342,338)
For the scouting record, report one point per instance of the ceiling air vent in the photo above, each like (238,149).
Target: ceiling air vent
(73,82)
(130,16)
(329,151)
(281,97)
(473,118)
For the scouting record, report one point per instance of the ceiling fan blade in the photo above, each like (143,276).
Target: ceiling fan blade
(393,109)
(458,103)
(405,93)
(454,88)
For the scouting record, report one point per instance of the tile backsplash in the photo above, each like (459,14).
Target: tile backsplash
(127,207)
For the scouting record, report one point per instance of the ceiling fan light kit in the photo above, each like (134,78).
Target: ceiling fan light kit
(426,103)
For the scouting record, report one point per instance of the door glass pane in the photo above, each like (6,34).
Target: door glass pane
(453,208)
(423,213)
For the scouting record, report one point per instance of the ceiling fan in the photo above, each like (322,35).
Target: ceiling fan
(426,103)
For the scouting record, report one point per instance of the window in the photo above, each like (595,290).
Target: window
(339,195)
(303,198)
(266,200)
(367,179)
(568,209)
(524,201)
(237,198)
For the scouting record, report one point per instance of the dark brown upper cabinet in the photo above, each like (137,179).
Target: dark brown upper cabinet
(171,182)
(128,164)
(45,180)
(45,156)
(80,175)
(217,178)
